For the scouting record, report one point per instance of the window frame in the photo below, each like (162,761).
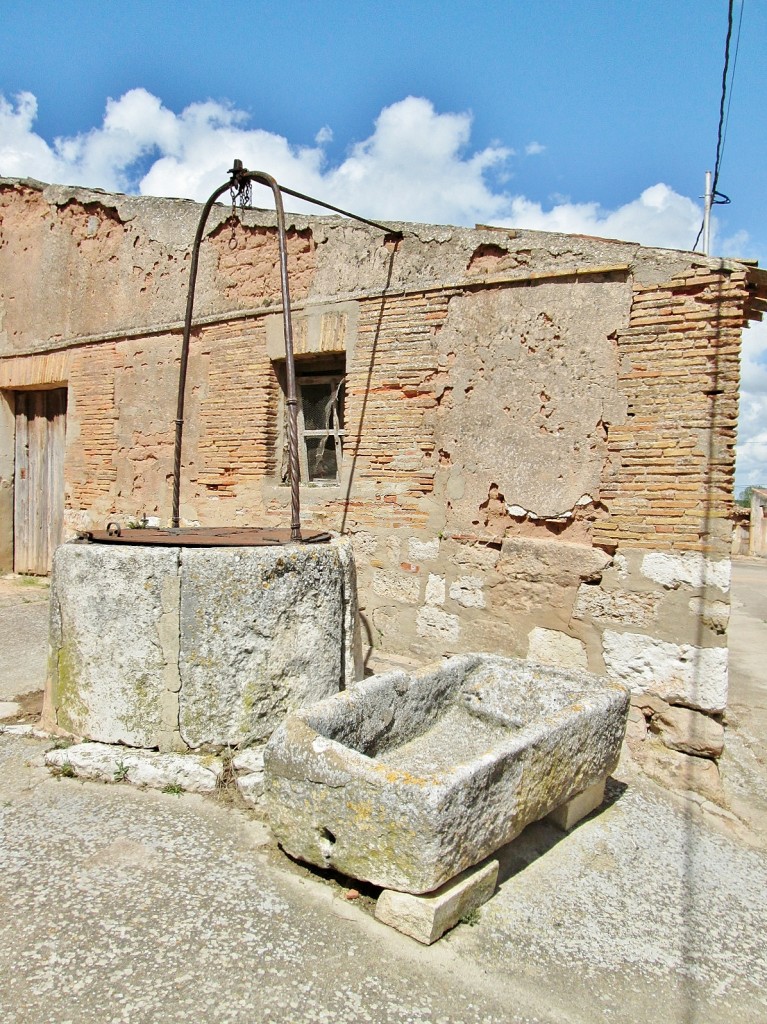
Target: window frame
(336,381)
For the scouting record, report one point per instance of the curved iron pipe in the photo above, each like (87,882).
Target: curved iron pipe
(240,175)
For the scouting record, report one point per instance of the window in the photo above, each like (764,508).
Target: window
(320,394)
(320,426)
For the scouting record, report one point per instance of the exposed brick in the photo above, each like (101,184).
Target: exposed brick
(673,396)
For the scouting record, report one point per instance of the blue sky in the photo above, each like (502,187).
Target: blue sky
(579,115)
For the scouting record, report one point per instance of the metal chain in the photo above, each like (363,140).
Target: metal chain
(233,216)
(246,192)
(240,193)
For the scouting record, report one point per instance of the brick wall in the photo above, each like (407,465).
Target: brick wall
(669,475)
(390,404)
(237,433)
(90,470)
(667,478)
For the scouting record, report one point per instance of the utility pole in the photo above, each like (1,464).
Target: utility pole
(708,199)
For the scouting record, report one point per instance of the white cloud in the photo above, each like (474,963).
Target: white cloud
(417,164)
(22,152)
(752,421)
(659,217)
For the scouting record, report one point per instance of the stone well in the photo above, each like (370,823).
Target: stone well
(196,647)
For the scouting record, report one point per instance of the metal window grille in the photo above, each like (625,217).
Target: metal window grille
(320,427)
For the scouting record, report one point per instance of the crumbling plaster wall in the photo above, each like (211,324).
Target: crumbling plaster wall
(81,263)
(529,384)
(540,427)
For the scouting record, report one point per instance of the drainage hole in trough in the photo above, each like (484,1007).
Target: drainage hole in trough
(327,842)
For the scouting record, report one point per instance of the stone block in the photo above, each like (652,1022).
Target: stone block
(568,814)
(249,772)
(423,550)
(689,731)
(396,586)
(695,677)
(251,788)
(648,703)
(428,917)
(108,642)
(435,589)
(249,760)
(262,633)
(548,561)
(409,778)
(623,607)
(386,619)
(24,730)
(9,709)
(433,622)
(552,647)
(365,544)
(467,591)
(714,614)
(690,568)
(193,773)
(680,772)
(475,556)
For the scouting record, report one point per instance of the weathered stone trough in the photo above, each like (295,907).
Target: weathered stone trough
(198,648)
(407,780)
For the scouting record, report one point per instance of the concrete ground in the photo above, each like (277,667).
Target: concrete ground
(122,905)
(23,635)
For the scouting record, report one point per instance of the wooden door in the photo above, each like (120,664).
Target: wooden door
(38,478)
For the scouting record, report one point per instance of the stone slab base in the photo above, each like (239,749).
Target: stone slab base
(427,917)
(568,814)
(192,773)
(25,729)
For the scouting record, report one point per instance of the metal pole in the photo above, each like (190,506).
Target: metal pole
(708,199)
(185,352)
(290,366)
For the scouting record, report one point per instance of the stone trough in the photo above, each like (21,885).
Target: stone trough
(407,780)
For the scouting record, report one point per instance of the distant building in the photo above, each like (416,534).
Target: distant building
(757,540)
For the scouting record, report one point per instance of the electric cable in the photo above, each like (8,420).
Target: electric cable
(724,111)
(732,76)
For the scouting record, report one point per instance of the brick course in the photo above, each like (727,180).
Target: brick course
(670,468)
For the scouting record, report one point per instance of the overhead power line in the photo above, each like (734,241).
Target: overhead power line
(714,196)
(732,76)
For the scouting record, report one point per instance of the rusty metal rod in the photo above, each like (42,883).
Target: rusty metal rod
(239,176)
(290,367)
(337,209)
(185,350)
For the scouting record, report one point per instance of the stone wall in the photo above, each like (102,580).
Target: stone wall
(539,428)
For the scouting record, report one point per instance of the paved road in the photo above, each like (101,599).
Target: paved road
(23,635)
(120,905)
(744,765)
